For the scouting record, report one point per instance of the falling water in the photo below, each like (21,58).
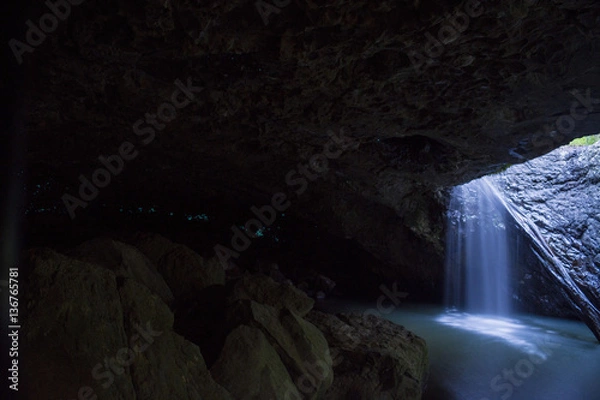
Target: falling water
(477,251)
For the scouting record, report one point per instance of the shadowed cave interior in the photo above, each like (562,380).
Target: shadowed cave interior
(302,200)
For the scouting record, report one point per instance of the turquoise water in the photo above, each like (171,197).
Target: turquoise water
(479,357)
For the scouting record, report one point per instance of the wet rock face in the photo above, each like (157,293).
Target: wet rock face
(373,358)
(242,98)
(560,192)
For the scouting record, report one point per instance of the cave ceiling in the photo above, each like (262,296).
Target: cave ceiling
(428,94)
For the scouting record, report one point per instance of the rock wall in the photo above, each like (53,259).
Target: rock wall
(560,193)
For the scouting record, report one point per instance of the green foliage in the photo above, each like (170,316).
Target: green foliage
(501,169)
(585,141)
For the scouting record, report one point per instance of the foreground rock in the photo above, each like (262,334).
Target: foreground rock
(373,358)
(185,271)
(300,345)
(96,324)
(90,331)
(125,261)
(265,290)
(250,368)
(214,317)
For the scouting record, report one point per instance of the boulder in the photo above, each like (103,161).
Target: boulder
(300,345)
(185,271)
(171,367)
(316,285)
(153,245)
(125,261)
(373,358)
(73,321)
(92,332)
(265,290)
(250,368)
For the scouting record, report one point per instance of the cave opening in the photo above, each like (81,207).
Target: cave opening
(519,244)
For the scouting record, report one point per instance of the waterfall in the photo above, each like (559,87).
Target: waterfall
(478,257)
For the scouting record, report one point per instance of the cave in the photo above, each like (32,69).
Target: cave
(301,200)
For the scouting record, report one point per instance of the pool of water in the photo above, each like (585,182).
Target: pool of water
(481,357)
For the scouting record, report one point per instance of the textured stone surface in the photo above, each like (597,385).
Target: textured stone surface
(250,368)
(373,358)
(74,318)
(92,322)
(272,92)
(560,194)
(184,270)
(300,345)
(124,260)
(265,290)
(80,315)
(153,245)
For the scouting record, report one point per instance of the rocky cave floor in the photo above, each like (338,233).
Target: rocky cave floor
(144,317)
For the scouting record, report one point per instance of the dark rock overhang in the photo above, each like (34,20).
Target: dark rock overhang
(273,92)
